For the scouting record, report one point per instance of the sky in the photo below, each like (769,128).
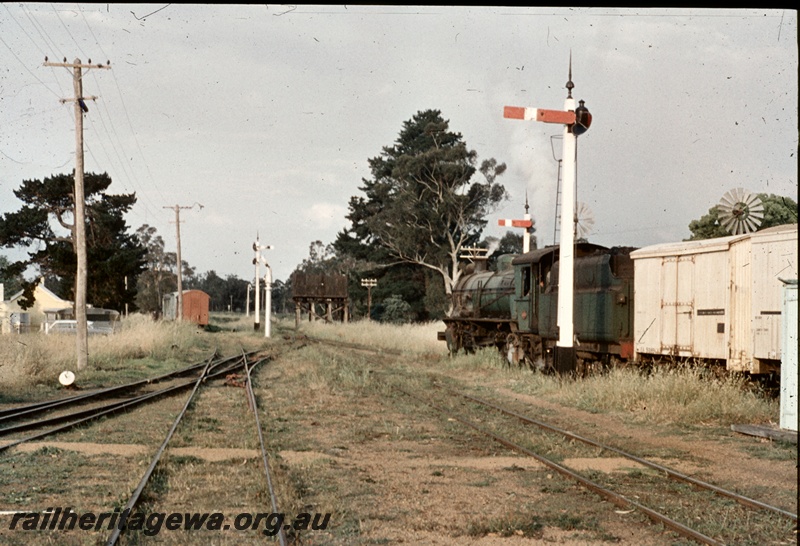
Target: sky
(267,115)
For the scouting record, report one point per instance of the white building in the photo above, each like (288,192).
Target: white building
(15,319)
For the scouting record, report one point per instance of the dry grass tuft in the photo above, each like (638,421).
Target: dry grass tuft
(409,338)
(687,394)
(27,359)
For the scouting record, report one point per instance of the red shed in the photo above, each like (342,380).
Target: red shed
(195,306)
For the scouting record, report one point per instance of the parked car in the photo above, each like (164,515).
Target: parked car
(71,327)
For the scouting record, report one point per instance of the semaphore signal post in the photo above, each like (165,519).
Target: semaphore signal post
(576,121)
(526,223)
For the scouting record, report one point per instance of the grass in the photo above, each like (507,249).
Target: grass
(139,348)
(338,403)
(682,395)
(417,339)
(481,359)
(520,524)
(685,395)
(32,358)
(688,395)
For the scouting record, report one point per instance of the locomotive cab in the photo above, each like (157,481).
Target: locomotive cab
(602,311)
(524,298)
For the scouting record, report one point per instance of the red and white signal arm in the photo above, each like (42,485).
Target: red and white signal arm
(539,114)
(515,223)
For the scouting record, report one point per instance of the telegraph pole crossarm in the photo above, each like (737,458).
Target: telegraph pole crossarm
(576,121)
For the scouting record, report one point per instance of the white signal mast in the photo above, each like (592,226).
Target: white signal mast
(257,261)
(576,121)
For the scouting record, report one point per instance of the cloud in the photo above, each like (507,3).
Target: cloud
(326,215)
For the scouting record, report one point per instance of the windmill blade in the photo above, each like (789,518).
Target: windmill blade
(732,197)
(751,224)
(740,211)
(584,220)
(727,223)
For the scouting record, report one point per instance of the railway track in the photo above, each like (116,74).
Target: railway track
(72,411)
(625,495)
(485,417)
(267,470)
(669,472)
(34,416)
(38,408)
(205,375)
(622,500)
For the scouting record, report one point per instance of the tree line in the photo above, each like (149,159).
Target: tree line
(428,197)
(132,270)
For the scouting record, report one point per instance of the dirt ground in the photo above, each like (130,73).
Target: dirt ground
(391,470)
(414,476)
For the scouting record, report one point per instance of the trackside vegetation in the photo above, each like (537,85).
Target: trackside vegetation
(687,394)
(682,394)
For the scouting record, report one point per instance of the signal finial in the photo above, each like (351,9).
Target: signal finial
(570,85)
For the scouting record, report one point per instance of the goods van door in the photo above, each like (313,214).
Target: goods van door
(684,306)
(677,305)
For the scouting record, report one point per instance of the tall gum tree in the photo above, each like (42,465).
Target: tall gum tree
(158,277)
(422,204)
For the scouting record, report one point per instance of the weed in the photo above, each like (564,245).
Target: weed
(417,339)
(688,395)
(772,451)
(519,523)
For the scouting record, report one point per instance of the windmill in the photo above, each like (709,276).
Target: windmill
(584,220)
(740,211)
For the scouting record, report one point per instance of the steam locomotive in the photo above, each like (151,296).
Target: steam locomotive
(717,300)
(514,308)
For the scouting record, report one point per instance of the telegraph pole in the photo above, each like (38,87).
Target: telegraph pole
(177,209)
(79,220)
(576,121)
